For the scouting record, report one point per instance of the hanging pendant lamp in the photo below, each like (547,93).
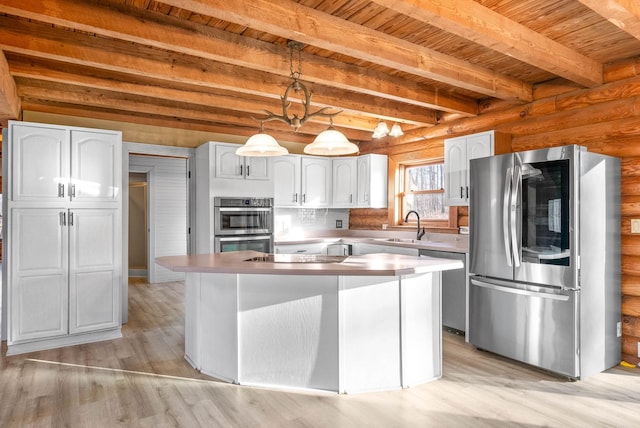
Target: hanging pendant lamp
(331,142)
(261,144)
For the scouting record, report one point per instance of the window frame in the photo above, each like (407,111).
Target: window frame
(401,173)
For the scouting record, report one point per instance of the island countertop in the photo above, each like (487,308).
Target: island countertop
(380,264)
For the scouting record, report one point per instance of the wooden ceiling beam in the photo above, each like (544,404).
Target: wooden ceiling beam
(473,21)
(9,99)
(624,14)
(66,94)
(254,106)
(42,41)
(190,38)
(294,21)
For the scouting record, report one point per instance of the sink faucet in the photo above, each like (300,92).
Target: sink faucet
(420,233)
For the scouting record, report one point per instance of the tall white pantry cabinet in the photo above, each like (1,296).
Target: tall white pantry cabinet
(62,268)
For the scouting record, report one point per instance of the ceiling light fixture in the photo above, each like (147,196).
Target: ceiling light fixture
(339,143)
(331,143)
(261,144)
(382,130)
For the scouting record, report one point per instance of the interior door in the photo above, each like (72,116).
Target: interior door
(489,217)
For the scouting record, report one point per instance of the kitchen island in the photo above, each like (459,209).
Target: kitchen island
(342,324)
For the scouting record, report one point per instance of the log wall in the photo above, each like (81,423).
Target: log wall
(604,119)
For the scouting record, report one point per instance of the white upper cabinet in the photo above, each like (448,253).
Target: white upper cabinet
(345,182)
(316,182)
(372,181)
(457,154)
(54,164)
(322,182)
(287,180)
(95,166)
(39,162)
(230,165)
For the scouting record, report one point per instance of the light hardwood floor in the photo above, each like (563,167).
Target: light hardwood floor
(142,380)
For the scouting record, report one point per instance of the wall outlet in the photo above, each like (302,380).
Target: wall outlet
(338,224)
(619,329)
(635,225)
(638,349)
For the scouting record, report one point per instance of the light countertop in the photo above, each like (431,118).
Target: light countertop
(380,264)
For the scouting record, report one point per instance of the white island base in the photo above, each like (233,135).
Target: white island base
(338,333)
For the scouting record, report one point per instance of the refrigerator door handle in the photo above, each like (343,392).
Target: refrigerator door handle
(505,215)
(520,291)
(515,247)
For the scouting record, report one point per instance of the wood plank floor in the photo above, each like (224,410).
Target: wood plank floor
(142,380)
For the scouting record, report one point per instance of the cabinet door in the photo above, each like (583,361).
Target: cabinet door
(345,184)
(39,275)
(228,165)
(286,181)
(316,182)
(455,171)
(479,146)
(94,270)
(95,166)
(363,198)
(40,163)
(257,168)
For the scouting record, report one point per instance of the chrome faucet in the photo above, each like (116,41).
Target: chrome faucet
(420,233)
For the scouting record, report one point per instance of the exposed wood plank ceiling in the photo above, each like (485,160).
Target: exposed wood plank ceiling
(215,65)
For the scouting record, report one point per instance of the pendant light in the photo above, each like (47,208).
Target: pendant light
(261,144)
(331,142)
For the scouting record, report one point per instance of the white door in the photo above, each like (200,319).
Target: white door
(316,182)
(39,163)
(39,273)
(228,165)
(94,267)
(95,166)
(364,181)
(286,181)
(257,168)
(345,184)
(455,171)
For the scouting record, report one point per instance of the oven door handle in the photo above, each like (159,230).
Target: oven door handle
(251,210)
(243,238)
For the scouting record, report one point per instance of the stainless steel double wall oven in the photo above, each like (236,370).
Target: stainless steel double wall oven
(243,224)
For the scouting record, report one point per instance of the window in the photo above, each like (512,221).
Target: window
(423,191)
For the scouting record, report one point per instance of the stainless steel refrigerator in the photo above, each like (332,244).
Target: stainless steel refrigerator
(544,259)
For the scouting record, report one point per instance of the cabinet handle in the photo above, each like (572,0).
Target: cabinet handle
(248,171)
(351,198)
(461,192)
(60,190)
(70,218)
(467,192)
(304,198)
(240,169)
(63,218)
(295,197)
(72,191)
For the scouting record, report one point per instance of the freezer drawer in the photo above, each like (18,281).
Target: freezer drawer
(534,325)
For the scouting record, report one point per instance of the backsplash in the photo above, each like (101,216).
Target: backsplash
(298,221)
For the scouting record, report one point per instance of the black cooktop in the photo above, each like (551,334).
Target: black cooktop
(297,258)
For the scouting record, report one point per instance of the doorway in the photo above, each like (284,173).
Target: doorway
(139,225)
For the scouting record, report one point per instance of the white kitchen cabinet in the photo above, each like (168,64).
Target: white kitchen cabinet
(345,182)
(372,181)
(287,180)
(230,165)
(457,154)
(316,182)
(62,270)
(50,164)
(311,248)
(302,181)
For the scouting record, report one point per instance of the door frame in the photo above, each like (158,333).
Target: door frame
(129,149)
